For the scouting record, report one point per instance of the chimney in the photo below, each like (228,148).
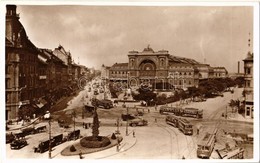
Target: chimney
(238,67)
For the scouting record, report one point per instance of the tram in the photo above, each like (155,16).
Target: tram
(206,145)
(182,124)
(184,112)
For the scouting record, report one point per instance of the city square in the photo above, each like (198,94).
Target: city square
(150,103)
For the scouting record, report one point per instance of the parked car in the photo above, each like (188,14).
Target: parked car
(107,104)
(63,123)
(43,146)
(18,143)
(126,117)
(139,113)
(41,129)
(138,122)
(9,137)
(56,140)
(28,131)
(72,134)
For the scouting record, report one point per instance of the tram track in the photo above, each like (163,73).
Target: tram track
(168,129)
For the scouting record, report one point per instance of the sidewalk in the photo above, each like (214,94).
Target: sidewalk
(241,118)
(127,143)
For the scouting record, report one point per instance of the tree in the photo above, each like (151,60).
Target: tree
(234,104)
(95,131)
(145,95)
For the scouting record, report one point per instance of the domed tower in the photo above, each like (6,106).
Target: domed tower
(13,25)
(249,81)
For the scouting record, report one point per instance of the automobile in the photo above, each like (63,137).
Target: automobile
(139,113)
(43,146)
(63,123)
(28,131)
(107,104)
(9,137)
(126,117)
(18,143)
(138,122)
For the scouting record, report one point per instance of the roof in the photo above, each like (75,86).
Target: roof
(48,53)
(120,66)
(176,59)
(249,57)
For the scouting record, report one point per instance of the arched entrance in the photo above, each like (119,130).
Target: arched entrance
(147,73)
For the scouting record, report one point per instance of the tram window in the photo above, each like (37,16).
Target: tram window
(207,148)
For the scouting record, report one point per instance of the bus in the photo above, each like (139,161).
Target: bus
(206,144)
(172,120)
(185,126)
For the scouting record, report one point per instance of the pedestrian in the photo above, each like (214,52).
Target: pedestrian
(198,130)
(83,125)
(134,134)
(155,107)
(148,110)
(155,120)
(80,155)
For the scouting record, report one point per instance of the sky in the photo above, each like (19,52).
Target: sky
(96,35)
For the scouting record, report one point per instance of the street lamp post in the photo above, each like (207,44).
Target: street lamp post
(126,132)
(117,124)
(50,137)
(74,116)
(155,78)
(128,80)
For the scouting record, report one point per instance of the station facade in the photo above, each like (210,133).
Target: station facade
(161,70)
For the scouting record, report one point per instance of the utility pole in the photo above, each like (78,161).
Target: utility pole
(74,116)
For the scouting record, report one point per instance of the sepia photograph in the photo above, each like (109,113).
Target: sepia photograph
(130,81)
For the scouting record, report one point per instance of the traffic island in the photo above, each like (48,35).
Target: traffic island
(90,145)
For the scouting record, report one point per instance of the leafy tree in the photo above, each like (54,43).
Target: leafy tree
(234,104)
(145,95)
(240,81)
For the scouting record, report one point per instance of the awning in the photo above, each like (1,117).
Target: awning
(41,103)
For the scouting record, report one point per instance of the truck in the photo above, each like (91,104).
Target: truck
(138,122)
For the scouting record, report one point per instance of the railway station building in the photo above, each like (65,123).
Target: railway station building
(161,70)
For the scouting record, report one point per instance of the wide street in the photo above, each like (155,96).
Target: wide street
(158,140)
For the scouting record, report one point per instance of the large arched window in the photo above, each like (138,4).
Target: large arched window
(147,68)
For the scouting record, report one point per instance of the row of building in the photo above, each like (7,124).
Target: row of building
(161,67)
(35,77)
